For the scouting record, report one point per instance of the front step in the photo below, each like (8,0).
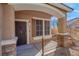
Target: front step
(60,51)
(48,48)
(74,51)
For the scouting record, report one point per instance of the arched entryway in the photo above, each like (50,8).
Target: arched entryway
(32,12)
(46,9)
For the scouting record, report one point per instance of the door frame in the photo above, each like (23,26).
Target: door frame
(27,27)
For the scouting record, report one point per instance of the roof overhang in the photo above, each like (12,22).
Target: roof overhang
(62,6)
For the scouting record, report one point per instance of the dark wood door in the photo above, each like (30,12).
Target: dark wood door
(20,32)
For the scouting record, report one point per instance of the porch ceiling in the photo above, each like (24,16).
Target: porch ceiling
(39,7)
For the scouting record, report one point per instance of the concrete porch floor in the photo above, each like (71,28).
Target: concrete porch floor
(34,50)
(26,50)
(30,50)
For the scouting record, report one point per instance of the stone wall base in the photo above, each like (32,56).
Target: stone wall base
(9,47)
(9,50)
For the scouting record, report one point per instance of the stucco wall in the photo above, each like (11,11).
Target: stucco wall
(8,22)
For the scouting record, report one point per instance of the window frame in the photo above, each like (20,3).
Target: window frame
(43,30)
(38,30)
(48,27)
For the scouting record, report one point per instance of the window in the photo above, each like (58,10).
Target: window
(47,27)
(39,27)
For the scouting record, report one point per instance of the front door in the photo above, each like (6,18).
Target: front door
(20,32)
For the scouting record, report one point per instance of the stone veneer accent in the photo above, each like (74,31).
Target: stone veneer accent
(67,40)
(9,47)
(9,50)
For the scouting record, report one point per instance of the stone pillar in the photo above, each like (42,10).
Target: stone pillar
(61,30)
(8,31)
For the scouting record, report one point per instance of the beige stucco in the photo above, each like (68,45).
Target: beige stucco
(1,11)
(8,22)
(0,21)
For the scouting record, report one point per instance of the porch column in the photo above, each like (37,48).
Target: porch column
(8,32)
(1,11)
(30,29)
(61,30)
(8,22)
